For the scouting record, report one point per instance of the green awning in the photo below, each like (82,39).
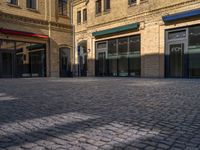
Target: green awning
(133,26)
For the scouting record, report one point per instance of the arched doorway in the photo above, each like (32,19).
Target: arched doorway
(65,63)
(82,58)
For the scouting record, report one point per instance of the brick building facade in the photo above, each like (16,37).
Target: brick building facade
(145,38)
(36,38)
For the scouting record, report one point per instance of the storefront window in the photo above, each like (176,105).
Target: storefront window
(194,51)
(123,66)
(122,55)
(123,46)
(112,57)
(25,59)
(134,55)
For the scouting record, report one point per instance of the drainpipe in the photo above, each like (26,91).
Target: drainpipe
(74,45)
(49,40)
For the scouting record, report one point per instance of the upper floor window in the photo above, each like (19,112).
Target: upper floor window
(84,15)
(106,5)
(31,4)
(13,2)
(79,17)
(62,6)
(98,6)
(131,2)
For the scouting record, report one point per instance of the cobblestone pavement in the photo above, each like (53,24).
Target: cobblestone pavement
(99,113)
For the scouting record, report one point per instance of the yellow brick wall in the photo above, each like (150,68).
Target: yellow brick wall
(148,14)
(45,20)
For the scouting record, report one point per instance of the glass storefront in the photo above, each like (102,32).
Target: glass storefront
(121,57)
(183,52)
(194,51)
(22,59)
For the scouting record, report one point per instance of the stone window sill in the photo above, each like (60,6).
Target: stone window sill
(106,11)
(132,5)
(97,15)
(32,10)
(13,5)
(64,16)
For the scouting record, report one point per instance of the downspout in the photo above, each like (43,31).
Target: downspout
(74,45)
(49,40)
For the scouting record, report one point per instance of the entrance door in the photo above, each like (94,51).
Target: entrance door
(6,67)
(65,68)
(83,65)
(101,63)
(176,59)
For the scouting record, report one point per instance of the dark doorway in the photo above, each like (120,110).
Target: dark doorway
(82,58)
(7,64)
(176,54)
(65,65)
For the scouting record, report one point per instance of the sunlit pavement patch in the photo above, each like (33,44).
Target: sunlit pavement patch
(4,97)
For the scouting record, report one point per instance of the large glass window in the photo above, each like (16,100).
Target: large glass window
(22,59)
(112,57)
(194,51)
(134,55)
(123,46)
(62,6)
(31,4)
(122,56)
(112,47)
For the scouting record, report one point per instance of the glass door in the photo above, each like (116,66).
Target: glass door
(176,59)
(101,56)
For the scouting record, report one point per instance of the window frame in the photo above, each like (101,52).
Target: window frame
(61,5)
(29,2)
(79,17)
(106,8)
(85,15)
(98,4)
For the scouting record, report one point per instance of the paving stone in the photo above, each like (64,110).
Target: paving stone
(100,113)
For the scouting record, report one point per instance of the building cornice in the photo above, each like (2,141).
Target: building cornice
(30,21)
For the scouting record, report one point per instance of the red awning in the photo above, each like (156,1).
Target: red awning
(21,33)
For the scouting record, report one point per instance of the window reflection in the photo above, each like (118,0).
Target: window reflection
(194,51)
(123,56)
(26,59)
